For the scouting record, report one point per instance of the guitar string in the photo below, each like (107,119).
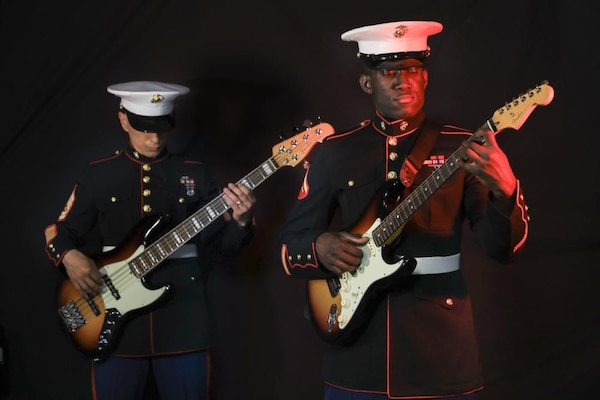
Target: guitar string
(407,209)
(123,277)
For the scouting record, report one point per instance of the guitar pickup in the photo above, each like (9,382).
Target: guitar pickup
(113,290)
(334,285)
(93,305)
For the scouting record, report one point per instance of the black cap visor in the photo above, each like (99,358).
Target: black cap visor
(372,60)
(158,124)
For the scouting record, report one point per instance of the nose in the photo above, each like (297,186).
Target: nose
(401,78)
(152,137)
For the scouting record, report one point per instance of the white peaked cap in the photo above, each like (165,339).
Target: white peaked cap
(393,37)
(148,98)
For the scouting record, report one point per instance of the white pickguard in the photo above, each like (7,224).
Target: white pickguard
(133,294)
(354,286)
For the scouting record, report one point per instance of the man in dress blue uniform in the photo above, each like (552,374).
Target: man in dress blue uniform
(112,199)
(418,338)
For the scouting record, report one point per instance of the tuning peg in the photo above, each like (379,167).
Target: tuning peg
(307,124)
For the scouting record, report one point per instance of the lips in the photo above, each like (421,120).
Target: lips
(404,98)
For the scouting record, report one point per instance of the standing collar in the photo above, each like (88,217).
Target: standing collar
(397,127)
(137,156)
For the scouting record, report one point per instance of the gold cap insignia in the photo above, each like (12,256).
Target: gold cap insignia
(400,31)
(157,98)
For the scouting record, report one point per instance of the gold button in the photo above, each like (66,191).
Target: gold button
(298,256)
(350,183)
(146,167)
(181,199)
(309,256)
(146,179)
(449,301)
(382,124)
(147,192)
(393,156)
(392,141)
(113,199)
(392,175)
(147,208)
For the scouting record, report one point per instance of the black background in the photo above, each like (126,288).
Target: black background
(257,70)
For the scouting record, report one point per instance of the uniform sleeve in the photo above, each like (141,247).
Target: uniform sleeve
(501,236)
(309,217)
(236,237)
(74,224)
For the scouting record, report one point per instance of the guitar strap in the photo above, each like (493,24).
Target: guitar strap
(420,149)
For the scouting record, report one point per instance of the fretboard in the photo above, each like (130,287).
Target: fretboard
(407,207)
(166,245)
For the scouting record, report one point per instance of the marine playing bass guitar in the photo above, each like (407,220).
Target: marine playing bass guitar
(339,306)
(94,323)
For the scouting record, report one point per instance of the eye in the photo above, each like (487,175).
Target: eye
(388,73)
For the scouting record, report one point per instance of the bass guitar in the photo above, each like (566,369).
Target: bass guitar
(94,323)
(339,306)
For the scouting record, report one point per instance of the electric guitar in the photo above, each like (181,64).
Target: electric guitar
(339,306)
(94,323)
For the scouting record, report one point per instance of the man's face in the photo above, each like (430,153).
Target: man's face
(397,87)
(149,144)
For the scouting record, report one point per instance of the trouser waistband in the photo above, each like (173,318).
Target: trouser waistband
(437,264)
(185,251)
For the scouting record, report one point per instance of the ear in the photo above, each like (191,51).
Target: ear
(425,78)
(365,83)
(123,120)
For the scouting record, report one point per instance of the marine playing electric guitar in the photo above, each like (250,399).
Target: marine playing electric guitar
(339,306)
(94,323)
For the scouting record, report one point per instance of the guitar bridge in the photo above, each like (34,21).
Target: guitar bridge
(71,316)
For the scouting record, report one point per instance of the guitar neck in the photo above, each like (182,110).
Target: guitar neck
(512,115)
(170,242)
(405,210)
(289,152)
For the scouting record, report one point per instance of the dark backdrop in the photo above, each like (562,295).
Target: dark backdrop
(257,70)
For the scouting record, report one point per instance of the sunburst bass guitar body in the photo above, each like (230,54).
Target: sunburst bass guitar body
(95,322)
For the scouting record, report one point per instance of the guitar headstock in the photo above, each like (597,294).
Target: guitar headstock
(293,150)
(514,113)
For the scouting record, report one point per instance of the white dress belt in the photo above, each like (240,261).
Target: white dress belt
(185,251)
(437,264)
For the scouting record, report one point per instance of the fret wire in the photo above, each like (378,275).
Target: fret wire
(152,256)
(134,268)
(174,239)
(408,207)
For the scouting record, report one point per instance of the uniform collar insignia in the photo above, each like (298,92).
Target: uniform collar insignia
(398,127)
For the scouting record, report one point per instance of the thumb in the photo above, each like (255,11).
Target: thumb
(354,238)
